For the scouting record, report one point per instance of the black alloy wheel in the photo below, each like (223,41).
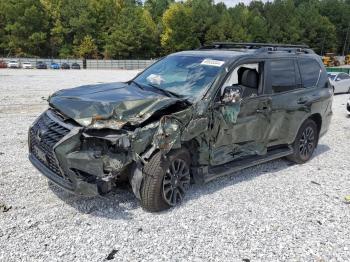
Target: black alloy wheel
(176,182)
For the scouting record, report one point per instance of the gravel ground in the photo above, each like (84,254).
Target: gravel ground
(271,212)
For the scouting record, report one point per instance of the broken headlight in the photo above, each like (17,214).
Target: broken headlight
(113,144)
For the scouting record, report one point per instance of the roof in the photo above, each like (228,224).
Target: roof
(214,54)
(227,50)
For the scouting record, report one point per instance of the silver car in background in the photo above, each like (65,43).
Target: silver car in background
(340,82)
(13,64)
(27,65)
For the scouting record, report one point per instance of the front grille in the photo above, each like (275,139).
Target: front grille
(43,136)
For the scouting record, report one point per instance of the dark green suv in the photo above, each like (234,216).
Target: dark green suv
(191,117)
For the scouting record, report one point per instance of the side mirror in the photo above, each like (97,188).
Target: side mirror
(337,80)
(231,95)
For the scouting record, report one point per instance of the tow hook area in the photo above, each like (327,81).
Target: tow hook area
(87,184)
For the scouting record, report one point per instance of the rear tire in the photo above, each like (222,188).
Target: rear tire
(165,182)
(305,142)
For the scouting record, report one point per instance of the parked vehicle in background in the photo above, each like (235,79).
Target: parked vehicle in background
(27,65)
(65,66)
(41,65)
(340,82)
(13,64)
(192,116)
(75,66)
(3,64)
(54,66)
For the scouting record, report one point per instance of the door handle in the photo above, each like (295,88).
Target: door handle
(302,100)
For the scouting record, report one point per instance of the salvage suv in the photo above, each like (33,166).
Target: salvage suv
(190,117)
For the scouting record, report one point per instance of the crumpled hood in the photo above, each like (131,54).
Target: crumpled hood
(111,105)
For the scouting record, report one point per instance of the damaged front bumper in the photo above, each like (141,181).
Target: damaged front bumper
(56,150)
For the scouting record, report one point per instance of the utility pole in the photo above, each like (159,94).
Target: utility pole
(346,40)
(323,43)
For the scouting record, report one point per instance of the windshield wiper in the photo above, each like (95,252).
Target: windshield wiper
(166,92)
(137,84)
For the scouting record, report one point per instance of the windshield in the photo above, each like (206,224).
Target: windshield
(331,76)
(185,76)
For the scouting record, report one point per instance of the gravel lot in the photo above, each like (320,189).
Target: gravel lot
(272,212)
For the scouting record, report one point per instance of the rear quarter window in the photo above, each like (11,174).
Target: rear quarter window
(283,75)
(311,72)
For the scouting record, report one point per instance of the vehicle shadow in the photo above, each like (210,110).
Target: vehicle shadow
(120,203)
(320,150)
(115,205)
(247,174)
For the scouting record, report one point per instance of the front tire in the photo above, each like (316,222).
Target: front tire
(305,142)
(165,181)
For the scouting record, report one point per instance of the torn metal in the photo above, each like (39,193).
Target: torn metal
(219,107)
(118,127)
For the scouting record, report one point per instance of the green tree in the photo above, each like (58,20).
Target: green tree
(283,21)
(178,31)
(25,30)
(338,12)
(157,7)
(257,26)
(71,21)
(87,48)
(105,13)
(204,14)
(317,31)
(232,26)
(133,35)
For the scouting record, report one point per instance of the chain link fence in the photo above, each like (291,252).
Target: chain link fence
(89,63)
(118,64)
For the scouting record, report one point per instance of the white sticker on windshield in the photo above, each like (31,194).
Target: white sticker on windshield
(212,62)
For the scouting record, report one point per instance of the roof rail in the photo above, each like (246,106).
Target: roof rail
(261,47)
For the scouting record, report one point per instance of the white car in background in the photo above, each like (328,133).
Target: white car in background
(27,65)
(340,82)
(13,64)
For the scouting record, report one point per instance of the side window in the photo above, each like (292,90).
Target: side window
(248,77)
(283,76)
(310,72)
(343,76)
(340,77)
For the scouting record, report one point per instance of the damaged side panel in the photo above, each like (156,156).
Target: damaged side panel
(239,131)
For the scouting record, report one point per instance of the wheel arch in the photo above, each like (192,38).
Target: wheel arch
(317,118)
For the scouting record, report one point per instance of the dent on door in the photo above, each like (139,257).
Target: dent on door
(240,129)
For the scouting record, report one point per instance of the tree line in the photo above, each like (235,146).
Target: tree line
(136,29)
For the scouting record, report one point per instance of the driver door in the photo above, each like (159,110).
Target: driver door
(247,133)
